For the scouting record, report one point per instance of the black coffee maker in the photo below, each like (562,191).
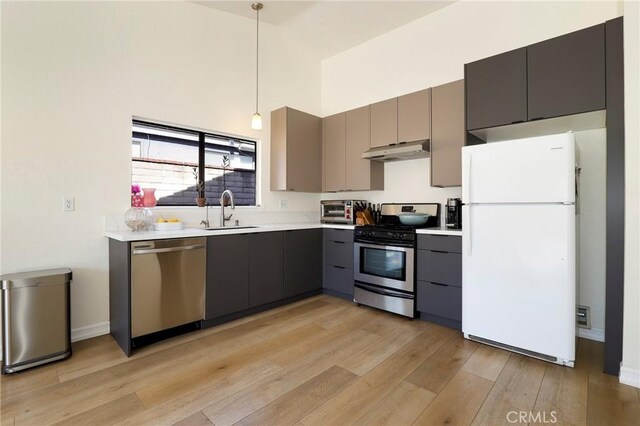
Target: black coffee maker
(454,213)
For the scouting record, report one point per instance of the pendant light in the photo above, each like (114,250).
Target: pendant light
(256,120)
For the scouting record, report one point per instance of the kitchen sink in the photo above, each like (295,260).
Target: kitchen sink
(228,228)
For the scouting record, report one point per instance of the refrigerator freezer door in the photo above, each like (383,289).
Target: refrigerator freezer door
(518,277)
(532,170)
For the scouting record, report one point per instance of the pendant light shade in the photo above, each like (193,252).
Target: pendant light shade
(256,120)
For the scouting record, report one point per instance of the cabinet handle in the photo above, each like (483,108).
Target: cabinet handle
(339,267)
(440,284)
(537,118)
(517,121)
(439,251)
(339,242)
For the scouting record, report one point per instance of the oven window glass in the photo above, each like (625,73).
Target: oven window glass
(383,263)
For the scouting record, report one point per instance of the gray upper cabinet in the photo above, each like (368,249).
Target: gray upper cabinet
(296,150)
(227,289)
(302,261)
(496,90)
(360,174)
(414,116)
(567,74)
(447,134)
(384,123)
(266,275)
(333,140)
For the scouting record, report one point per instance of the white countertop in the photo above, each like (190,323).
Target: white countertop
(129,235)
(440,231)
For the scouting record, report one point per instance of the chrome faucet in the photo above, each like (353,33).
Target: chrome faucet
(224,218)
(205,222)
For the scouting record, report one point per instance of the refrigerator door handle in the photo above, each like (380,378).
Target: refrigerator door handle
(466,185)
(466,219)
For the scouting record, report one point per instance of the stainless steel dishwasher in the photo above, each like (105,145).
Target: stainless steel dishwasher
(167,284)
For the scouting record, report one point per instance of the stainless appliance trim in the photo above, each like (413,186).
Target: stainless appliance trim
(388,302)
(406,285)
(399,151)
(168,250)
(342,216)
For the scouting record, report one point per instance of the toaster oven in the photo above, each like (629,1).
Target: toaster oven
(338,211)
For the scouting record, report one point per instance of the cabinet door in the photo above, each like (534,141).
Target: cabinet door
(333,138)
(414,116)
(447,134)
(227,275)
(304,151)
(266,276)
(384,122)
(302,261)
(361,174)
(567,74)
(496,90)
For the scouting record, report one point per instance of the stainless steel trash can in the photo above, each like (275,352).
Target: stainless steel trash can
(35,318)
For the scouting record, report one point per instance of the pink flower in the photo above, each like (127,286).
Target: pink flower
(135,189)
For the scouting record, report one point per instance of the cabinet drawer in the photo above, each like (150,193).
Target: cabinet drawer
(338,253)
(344,235)
(338,279)
(443,268)
(450,243)
(440,300)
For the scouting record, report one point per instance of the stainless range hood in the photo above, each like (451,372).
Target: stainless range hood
(399,151)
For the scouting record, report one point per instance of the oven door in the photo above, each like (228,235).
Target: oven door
(383,265)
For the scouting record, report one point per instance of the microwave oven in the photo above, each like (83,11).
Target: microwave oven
(338,211)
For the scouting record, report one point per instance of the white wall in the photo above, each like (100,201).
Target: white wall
(74,74)
(630,369)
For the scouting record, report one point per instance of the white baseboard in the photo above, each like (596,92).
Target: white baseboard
(89,331)
(629,376)
(594,333)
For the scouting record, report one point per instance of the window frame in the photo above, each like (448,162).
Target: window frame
(202,135)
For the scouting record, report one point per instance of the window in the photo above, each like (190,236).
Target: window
(170,159)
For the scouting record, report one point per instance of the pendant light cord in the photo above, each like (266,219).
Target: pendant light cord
(257,52)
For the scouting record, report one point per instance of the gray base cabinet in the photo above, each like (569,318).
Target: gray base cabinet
(302,261)
(338,262)
(227,275)
(266,268)
(439,288)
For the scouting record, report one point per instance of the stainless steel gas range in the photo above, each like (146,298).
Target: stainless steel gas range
(385,257)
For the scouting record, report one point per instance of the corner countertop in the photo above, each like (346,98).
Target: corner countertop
(128,235)
(441,230)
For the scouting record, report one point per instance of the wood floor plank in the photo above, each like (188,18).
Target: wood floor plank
(608,406)
(319,357)
(438,369)
(596,374)
(401,406)
(487,362)
(458,402)
(203,372)
(105,414)
(564,390)
(362,362)
(19,384)
(516,389)
(197,419)
(301,400)
(185,404)
(352,403)
(91,355)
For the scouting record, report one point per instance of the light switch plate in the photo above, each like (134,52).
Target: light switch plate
(68,204)
(283,204)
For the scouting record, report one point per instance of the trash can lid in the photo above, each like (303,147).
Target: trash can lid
(33,278)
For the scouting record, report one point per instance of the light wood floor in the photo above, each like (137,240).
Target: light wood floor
(321,361)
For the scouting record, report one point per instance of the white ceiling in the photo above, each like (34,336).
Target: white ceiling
(329,27)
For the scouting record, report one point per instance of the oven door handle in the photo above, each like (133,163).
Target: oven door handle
(377,244)
(383,292)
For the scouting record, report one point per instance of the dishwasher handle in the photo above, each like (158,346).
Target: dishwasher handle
(168,249)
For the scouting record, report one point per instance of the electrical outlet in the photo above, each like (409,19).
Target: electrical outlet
(68,204)
(283,204)
(584,316)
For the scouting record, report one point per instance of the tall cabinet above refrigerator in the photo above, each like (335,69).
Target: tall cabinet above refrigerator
(519,246)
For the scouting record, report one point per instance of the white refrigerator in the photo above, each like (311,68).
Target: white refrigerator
(519,246)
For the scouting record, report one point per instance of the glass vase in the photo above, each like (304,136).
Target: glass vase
(149,197)
(138,218)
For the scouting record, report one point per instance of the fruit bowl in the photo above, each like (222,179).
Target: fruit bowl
(168,226)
